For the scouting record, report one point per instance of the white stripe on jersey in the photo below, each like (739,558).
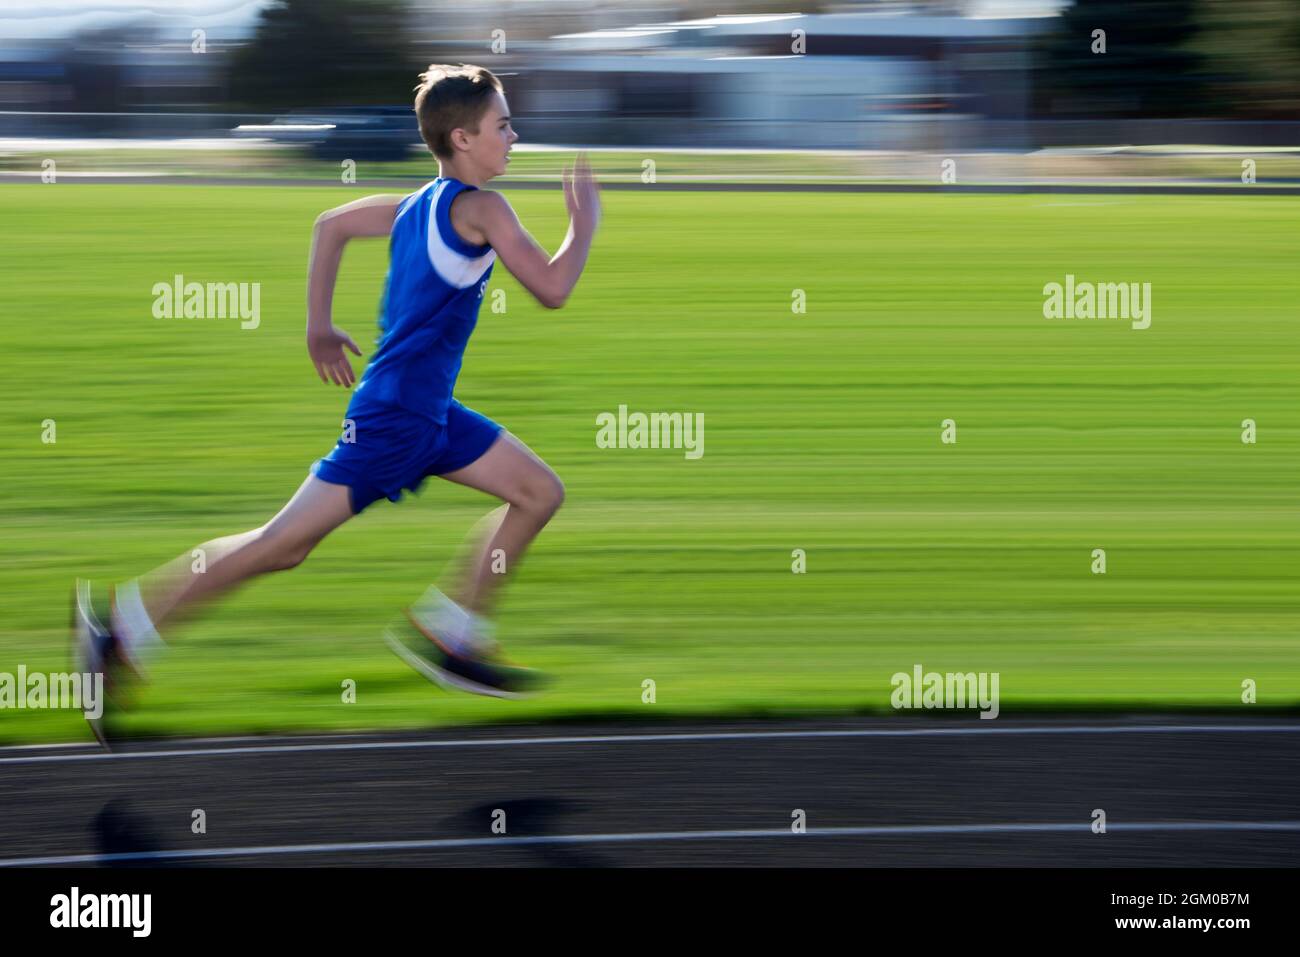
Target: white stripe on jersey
(455,268)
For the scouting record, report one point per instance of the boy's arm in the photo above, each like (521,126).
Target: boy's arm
(372,216)
(549,279)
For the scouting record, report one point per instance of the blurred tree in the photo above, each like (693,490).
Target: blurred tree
(1252,56)
(325,53)
(1147,69)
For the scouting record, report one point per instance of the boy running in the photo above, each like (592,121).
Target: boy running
(405,423)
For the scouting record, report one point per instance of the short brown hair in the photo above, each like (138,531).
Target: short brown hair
(449,98)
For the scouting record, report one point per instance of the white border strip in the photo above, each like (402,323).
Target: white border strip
(647,738)
(1080,827)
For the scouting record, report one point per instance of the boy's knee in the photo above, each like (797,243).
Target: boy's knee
(280,552)
(542,497)
(292,558)
(557,494)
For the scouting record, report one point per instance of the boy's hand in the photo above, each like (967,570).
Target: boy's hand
(581,194)
(549,278)
(325,346)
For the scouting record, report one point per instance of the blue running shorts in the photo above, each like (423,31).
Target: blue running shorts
(394,449)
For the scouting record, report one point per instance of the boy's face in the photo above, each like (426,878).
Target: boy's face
(489,148)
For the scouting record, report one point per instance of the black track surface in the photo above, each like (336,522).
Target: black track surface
(662,782)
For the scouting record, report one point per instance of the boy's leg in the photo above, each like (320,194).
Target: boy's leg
(112,640)
(447,640)
(164,595)
(461,573)
(532,493)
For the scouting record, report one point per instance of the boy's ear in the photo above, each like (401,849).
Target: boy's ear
(459,139)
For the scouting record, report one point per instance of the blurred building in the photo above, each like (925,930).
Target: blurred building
(943,75)
(132,78)
(843,81)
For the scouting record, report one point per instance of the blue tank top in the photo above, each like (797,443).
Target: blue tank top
(429,308)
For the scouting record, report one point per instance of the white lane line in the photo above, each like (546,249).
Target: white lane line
(646,738)
(1080,827)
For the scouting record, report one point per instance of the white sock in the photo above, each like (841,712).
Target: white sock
(481,628)
(480,637)
(131,622)
(462,630)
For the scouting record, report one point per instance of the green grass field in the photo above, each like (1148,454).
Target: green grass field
(822,433)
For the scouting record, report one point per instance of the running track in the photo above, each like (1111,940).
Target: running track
(1177,792)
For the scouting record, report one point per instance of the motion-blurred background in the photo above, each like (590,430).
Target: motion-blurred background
(825,333)
(1070,84)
